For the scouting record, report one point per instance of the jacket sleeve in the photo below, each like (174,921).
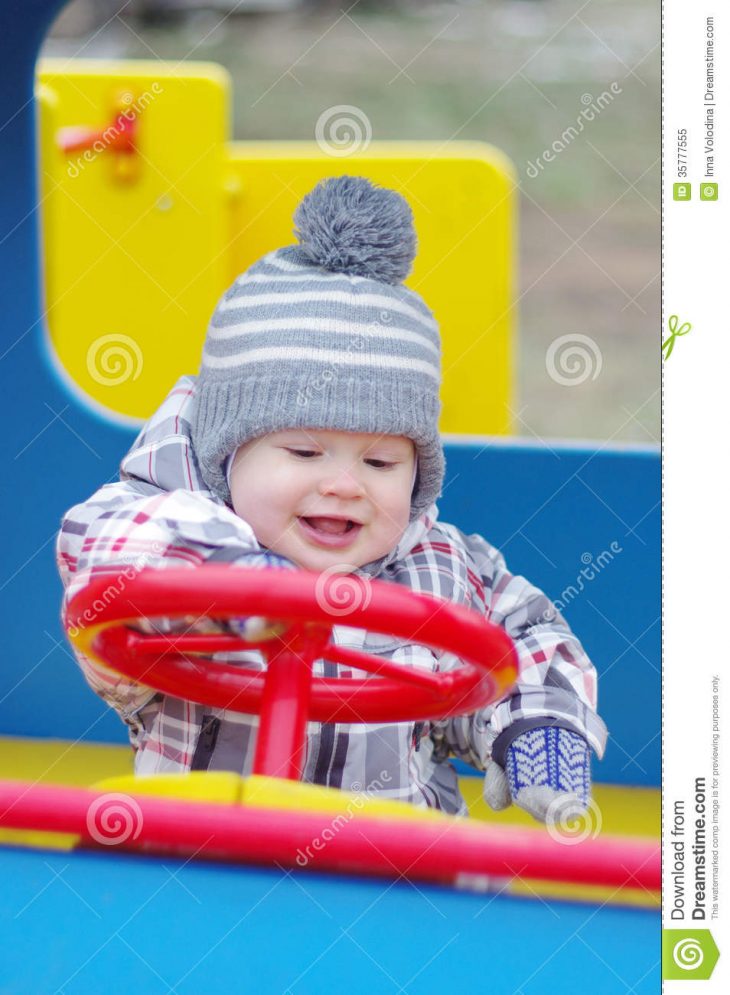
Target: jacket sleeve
(130,525)
(557,681)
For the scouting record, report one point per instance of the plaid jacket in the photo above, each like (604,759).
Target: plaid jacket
(161,515)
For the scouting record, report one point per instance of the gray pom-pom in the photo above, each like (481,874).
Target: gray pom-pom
(348,225)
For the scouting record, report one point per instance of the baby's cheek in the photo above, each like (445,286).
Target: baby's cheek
(279,533)
(401,513)
(249,511)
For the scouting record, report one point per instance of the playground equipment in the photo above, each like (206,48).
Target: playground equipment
(139,238)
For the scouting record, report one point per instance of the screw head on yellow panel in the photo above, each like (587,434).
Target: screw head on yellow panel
(125,167)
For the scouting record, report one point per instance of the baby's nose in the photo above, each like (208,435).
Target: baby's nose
(344,481)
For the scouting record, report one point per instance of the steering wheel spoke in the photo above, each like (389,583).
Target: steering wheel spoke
(194,643)
(347,657)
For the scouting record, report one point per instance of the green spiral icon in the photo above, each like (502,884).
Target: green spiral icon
(688,954)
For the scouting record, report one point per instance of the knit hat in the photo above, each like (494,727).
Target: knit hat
(323,335)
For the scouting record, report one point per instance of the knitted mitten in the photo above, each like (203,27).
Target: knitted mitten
(547,773)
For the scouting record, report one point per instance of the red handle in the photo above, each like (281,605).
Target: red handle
(425,850)
(119,136)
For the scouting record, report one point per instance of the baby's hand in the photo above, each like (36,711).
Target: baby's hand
(256,629)
(547,773)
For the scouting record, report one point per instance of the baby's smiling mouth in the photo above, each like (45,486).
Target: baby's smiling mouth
(330,531)
(330,525)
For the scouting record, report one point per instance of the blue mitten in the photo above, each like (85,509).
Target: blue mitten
(547,772)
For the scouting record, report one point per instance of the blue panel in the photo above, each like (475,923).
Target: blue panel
(555,513)
(547,509)
(81,923)
(52,453)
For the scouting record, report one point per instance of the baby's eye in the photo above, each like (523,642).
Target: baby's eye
(383,465)
(302,452)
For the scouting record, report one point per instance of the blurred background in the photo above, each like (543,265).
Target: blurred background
(514,73)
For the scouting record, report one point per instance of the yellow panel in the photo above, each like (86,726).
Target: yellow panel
(257,791)
(60,761)
(624,810)
(220,786)
(134,245)
(139,247)
(463,199)
(56,761)
(273,792)
(38,840)
(586,893)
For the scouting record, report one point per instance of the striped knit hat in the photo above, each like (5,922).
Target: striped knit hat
(323,335)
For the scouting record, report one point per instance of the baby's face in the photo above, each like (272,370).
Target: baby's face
(298,488)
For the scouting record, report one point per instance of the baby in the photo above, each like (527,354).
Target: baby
(310,440)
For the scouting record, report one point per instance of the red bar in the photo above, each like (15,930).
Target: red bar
(355,844)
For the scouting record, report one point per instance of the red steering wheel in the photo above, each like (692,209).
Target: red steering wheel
(287,695)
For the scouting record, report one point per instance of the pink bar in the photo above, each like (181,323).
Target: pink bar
(418,850)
